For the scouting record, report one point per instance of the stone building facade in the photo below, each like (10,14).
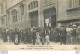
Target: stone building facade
(3,14)
(39,13)
(73,12)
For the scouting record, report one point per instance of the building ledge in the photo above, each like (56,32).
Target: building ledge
(73,9)
(50,6)
(32,10)
(68,20)
(2,16)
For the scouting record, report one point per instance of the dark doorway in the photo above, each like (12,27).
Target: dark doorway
(34,19)
(53,21)
(50,14)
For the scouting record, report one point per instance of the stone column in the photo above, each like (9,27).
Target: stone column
(40,14)
(28,20)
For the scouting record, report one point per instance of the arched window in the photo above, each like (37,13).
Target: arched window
(14,15)
(33,5)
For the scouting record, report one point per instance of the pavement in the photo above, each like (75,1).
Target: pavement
(11,43)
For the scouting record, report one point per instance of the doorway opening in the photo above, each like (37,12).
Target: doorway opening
(53,21)
(34,18)
(50,17)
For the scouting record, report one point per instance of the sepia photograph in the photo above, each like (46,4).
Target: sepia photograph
(40,22)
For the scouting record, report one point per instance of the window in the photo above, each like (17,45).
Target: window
(14,15)
(36,3)
(79,2)
(15,18)
(29,6)
(73,3)
(33,5)
(45,2)
(2,21)
(8,14)
(22,8)
(70,3)
(1,8)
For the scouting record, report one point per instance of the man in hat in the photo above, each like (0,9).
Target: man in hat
(4,34)
(74,37)
(63,35)
(34,36)
(78,34)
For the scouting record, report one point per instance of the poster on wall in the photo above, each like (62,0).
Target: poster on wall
(47,21)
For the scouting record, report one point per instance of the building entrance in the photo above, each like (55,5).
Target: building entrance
(34,19)
(50,17)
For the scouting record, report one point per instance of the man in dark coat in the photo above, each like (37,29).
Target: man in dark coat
(26,35)
(52,35)
(29,36)
(42,35)
(78,34)
(34,36)
(63,35)
(13,35)
(57,34)
(74,36)
(21,35)
(4,34)
(10,35)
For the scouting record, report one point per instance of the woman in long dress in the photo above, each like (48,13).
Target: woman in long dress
(38,42)
(16,39)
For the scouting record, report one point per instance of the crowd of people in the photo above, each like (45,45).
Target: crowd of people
(69,35)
